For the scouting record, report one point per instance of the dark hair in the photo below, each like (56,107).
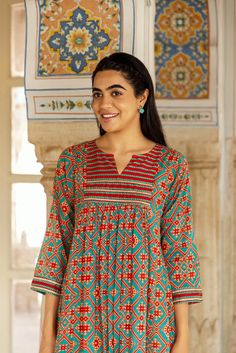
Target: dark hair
(138,76)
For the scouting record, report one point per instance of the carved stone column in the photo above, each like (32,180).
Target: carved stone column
(203,153)
(229,242)
(205,318)
(233,330)
(50,138)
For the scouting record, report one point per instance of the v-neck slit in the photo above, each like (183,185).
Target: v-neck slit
(112,160)
(124,169)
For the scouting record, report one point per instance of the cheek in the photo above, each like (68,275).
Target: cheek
(93,105)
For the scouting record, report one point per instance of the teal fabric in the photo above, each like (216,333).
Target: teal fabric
(119,250)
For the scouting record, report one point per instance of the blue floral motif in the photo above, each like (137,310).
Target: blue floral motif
(182,27)
(79,40)
(79,18)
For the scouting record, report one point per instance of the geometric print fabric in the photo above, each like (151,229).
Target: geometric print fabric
(119,264)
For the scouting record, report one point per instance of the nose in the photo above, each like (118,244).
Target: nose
(105,101)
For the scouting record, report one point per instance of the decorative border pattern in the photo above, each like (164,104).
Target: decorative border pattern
(184,116)
(182,49)
(78,104)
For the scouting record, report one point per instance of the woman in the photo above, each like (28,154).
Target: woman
(118,263)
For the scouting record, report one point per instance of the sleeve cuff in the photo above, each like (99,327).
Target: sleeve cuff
(44,285)
(188,295)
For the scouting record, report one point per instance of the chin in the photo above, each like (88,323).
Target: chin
(109,128)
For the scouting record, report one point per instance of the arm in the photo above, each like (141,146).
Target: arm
(179,249)
(182,330)
(177,237)
(52,259)
(48,337)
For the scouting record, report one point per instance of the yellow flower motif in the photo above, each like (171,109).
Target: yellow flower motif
(180,76)
(180,22)
(158,49)
(79,104)
(203,47)
(79,40)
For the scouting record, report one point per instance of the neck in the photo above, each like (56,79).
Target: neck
(127,140)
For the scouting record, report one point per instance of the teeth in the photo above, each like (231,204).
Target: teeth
(109,115)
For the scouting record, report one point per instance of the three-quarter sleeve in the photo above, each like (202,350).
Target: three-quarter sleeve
(177,236)
(54,252)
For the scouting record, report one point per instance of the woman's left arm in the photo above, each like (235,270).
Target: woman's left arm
(181,344)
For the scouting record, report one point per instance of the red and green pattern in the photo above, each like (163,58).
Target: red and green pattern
(119,250)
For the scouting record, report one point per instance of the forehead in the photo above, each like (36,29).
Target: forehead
(104,79)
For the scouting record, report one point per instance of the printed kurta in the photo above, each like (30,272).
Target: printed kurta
(119,250)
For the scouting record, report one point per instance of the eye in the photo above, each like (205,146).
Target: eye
(96,95)
(116,93)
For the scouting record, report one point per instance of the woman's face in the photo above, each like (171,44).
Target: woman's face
(114,102)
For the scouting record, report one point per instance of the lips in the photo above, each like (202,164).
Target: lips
(109,116)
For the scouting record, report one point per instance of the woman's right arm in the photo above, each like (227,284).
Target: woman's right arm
(55,249)
(48,337)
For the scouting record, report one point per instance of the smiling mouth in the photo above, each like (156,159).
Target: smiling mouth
(109,116)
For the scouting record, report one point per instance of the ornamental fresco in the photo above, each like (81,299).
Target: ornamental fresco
(74,35)
(182,49)
(63,105)
(65,39)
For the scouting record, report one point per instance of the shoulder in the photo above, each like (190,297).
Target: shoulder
(76,153)
(73,159)
(171,162)
(171,157)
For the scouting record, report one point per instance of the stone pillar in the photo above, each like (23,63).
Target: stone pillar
(202,152)
(227,133)
(227,248)
(50,138)
(233,329)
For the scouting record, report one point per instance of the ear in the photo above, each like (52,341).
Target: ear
(143,97)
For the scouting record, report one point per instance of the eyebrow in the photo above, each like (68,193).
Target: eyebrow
(109,88)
